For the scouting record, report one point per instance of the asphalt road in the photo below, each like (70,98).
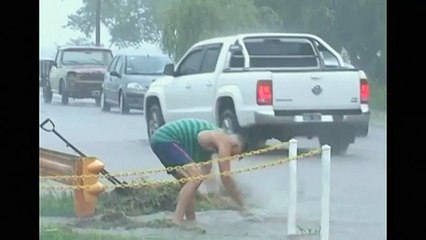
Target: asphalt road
(358,179)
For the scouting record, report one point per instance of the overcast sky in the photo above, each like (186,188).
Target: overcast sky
(53,16)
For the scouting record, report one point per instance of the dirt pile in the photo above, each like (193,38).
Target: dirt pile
(148,200)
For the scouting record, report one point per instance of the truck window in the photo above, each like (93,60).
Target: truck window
(86,57)
(145,65)
(210,59)
(192,63)
(112,64)
(237,60)
(281,53)
(118,67)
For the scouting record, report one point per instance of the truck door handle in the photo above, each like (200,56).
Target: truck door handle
(187,86)
(209,84)
(315,78)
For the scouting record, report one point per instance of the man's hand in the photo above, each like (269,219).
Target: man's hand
(244,212)
(249,215)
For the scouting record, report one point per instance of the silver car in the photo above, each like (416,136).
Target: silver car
(127,79)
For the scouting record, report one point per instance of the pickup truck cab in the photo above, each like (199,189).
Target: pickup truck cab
(269,85)
(78,72)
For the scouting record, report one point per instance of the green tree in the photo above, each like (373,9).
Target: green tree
(80,41)
(358,26)
(361,28)
(129,22)
(189,21)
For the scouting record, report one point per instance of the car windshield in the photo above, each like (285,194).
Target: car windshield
(145,65)
(86,56)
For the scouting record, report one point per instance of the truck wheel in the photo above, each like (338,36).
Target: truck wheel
(256,138)
(229,121)
(47,94)
(64,94)
(123,108)
(255,143)
(154,119)
(339,144)
(364,130)
(104,105)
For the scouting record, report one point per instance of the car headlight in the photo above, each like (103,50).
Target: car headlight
(71,76)
(135,86)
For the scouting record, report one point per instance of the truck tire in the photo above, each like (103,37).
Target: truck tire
(364,130)
(64,94)
(123,108)
(105,107)
(338,142)
(255,143)
(47,94)
(154,119)
(255,139)
(229,122)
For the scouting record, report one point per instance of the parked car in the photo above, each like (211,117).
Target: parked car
(78,72)
(127,79)
(269,85)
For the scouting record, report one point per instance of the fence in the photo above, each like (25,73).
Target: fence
(86,191)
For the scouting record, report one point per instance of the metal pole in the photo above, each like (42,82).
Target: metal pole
(325,193)
(291,221)
(98,23)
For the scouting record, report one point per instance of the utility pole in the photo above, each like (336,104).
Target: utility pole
(98,22)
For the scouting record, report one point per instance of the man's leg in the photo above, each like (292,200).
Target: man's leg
(171,154)
(187,195)
(190,210)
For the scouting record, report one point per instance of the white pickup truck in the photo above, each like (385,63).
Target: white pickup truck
(269,85)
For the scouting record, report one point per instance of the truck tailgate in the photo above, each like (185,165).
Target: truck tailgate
(316,91)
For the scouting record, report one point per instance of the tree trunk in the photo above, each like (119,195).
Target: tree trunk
(98,23)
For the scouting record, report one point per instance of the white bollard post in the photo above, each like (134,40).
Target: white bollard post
(292,196)
(325,193)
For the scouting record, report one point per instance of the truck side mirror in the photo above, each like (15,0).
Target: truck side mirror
(115,74)
(169,69)
(235,48)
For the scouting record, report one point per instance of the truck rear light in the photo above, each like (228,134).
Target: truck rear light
(71,76)
(364,91)
(264,92)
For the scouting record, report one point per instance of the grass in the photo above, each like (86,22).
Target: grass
(142,201)
(113,210)
(378,103)
(57,204)
(377,97)
(56,232)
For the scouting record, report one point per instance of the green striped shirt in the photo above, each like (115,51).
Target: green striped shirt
(185,132)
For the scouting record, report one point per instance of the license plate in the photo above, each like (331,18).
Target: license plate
(309,117)
(96,93)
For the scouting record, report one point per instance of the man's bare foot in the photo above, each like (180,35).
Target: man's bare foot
(190,222)
(177,222)
(190,227)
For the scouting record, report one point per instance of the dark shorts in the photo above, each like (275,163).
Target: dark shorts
(171,154)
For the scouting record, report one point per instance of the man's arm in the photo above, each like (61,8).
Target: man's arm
(212,140)
(224,150)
